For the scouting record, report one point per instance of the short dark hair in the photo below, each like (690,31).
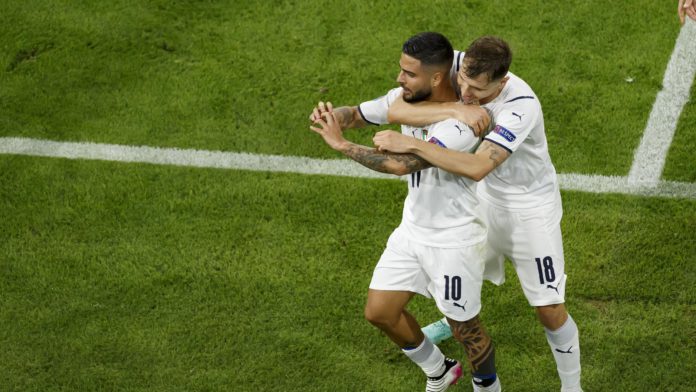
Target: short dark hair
(430,48)
(490,55)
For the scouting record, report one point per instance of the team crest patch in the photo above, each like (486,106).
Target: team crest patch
(505,133)
(437,141)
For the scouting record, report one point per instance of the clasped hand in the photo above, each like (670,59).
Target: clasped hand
(324,123)
(392,141)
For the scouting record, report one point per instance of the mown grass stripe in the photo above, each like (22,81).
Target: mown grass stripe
(276,163)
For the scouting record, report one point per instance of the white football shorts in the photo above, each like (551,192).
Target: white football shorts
(451,276)
(532,240)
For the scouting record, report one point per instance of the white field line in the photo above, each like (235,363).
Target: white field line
(182,157)
(649,158)
(275,163)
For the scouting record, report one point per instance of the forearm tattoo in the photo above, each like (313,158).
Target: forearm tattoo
(386,162)
(344,115)
(477,343)
(494,153)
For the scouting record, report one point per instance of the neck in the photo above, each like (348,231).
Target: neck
(443,93)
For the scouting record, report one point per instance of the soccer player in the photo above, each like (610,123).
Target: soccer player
(519,194)
(438,249)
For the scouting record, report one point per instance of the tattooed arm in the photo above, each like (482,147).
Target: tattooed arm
(327,125)
(349,117)
(385,162)
(346,116)
(475,166)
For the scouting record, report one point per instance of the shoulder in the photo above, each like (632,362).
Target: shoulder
(452,134)
(518,92)
(450,124)
(519,105)
(375,111)
(393,94)
(387,98)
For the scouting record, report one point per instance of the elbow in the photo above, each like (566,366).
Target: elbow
(392,118)
(476,175)
(399,171)
(479,175)
(395,168)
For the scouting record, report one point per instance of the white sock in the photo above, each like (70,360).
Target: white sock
(429,357)
(565,346)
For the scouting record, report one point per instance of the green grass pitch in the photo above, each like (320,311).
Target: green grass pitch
(136,277)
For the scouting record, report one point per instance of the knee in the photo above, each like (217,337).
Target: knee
(377,317)
(468,331)
(552,317)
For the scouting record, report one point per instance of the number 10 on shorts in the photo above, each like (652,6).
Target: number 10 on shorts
(545,269)
(453,287)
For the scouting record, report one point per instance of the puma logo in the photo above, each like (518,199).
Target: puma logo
(518,115)
(565,352)
(460,129)
(548,286)
(461,306)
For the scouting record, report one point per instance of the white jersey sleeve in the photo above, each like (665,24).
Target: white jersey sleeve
(514,123)
(375,112)
(454,135)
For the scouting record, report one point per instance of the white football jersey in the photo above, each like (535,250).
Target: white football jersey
(440,207)
(527,178)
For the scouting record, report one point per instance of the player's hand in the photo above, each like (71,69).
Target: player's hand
(474,116)
(319,110)
(328,127)
(687,8)
(392,141)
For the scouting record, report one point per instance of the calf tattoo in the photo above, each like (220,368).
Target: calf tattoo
(477,343)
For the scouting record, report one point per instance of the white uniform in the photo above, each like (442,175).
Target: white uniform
(438,249)
(520,199)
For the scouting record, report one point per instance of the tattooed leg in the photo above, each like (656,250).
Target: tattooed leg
(478,345)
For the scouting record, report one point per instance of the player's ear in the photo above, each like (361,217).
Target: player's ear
(504,80)
(436,79)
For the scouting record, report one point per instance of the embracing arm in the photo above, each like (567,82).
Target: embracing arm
(424,113)
(475,166)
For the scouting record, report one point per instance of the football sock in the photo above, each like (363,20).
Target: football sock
(485,374)
(565,346)
(484,380)
(428,356)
